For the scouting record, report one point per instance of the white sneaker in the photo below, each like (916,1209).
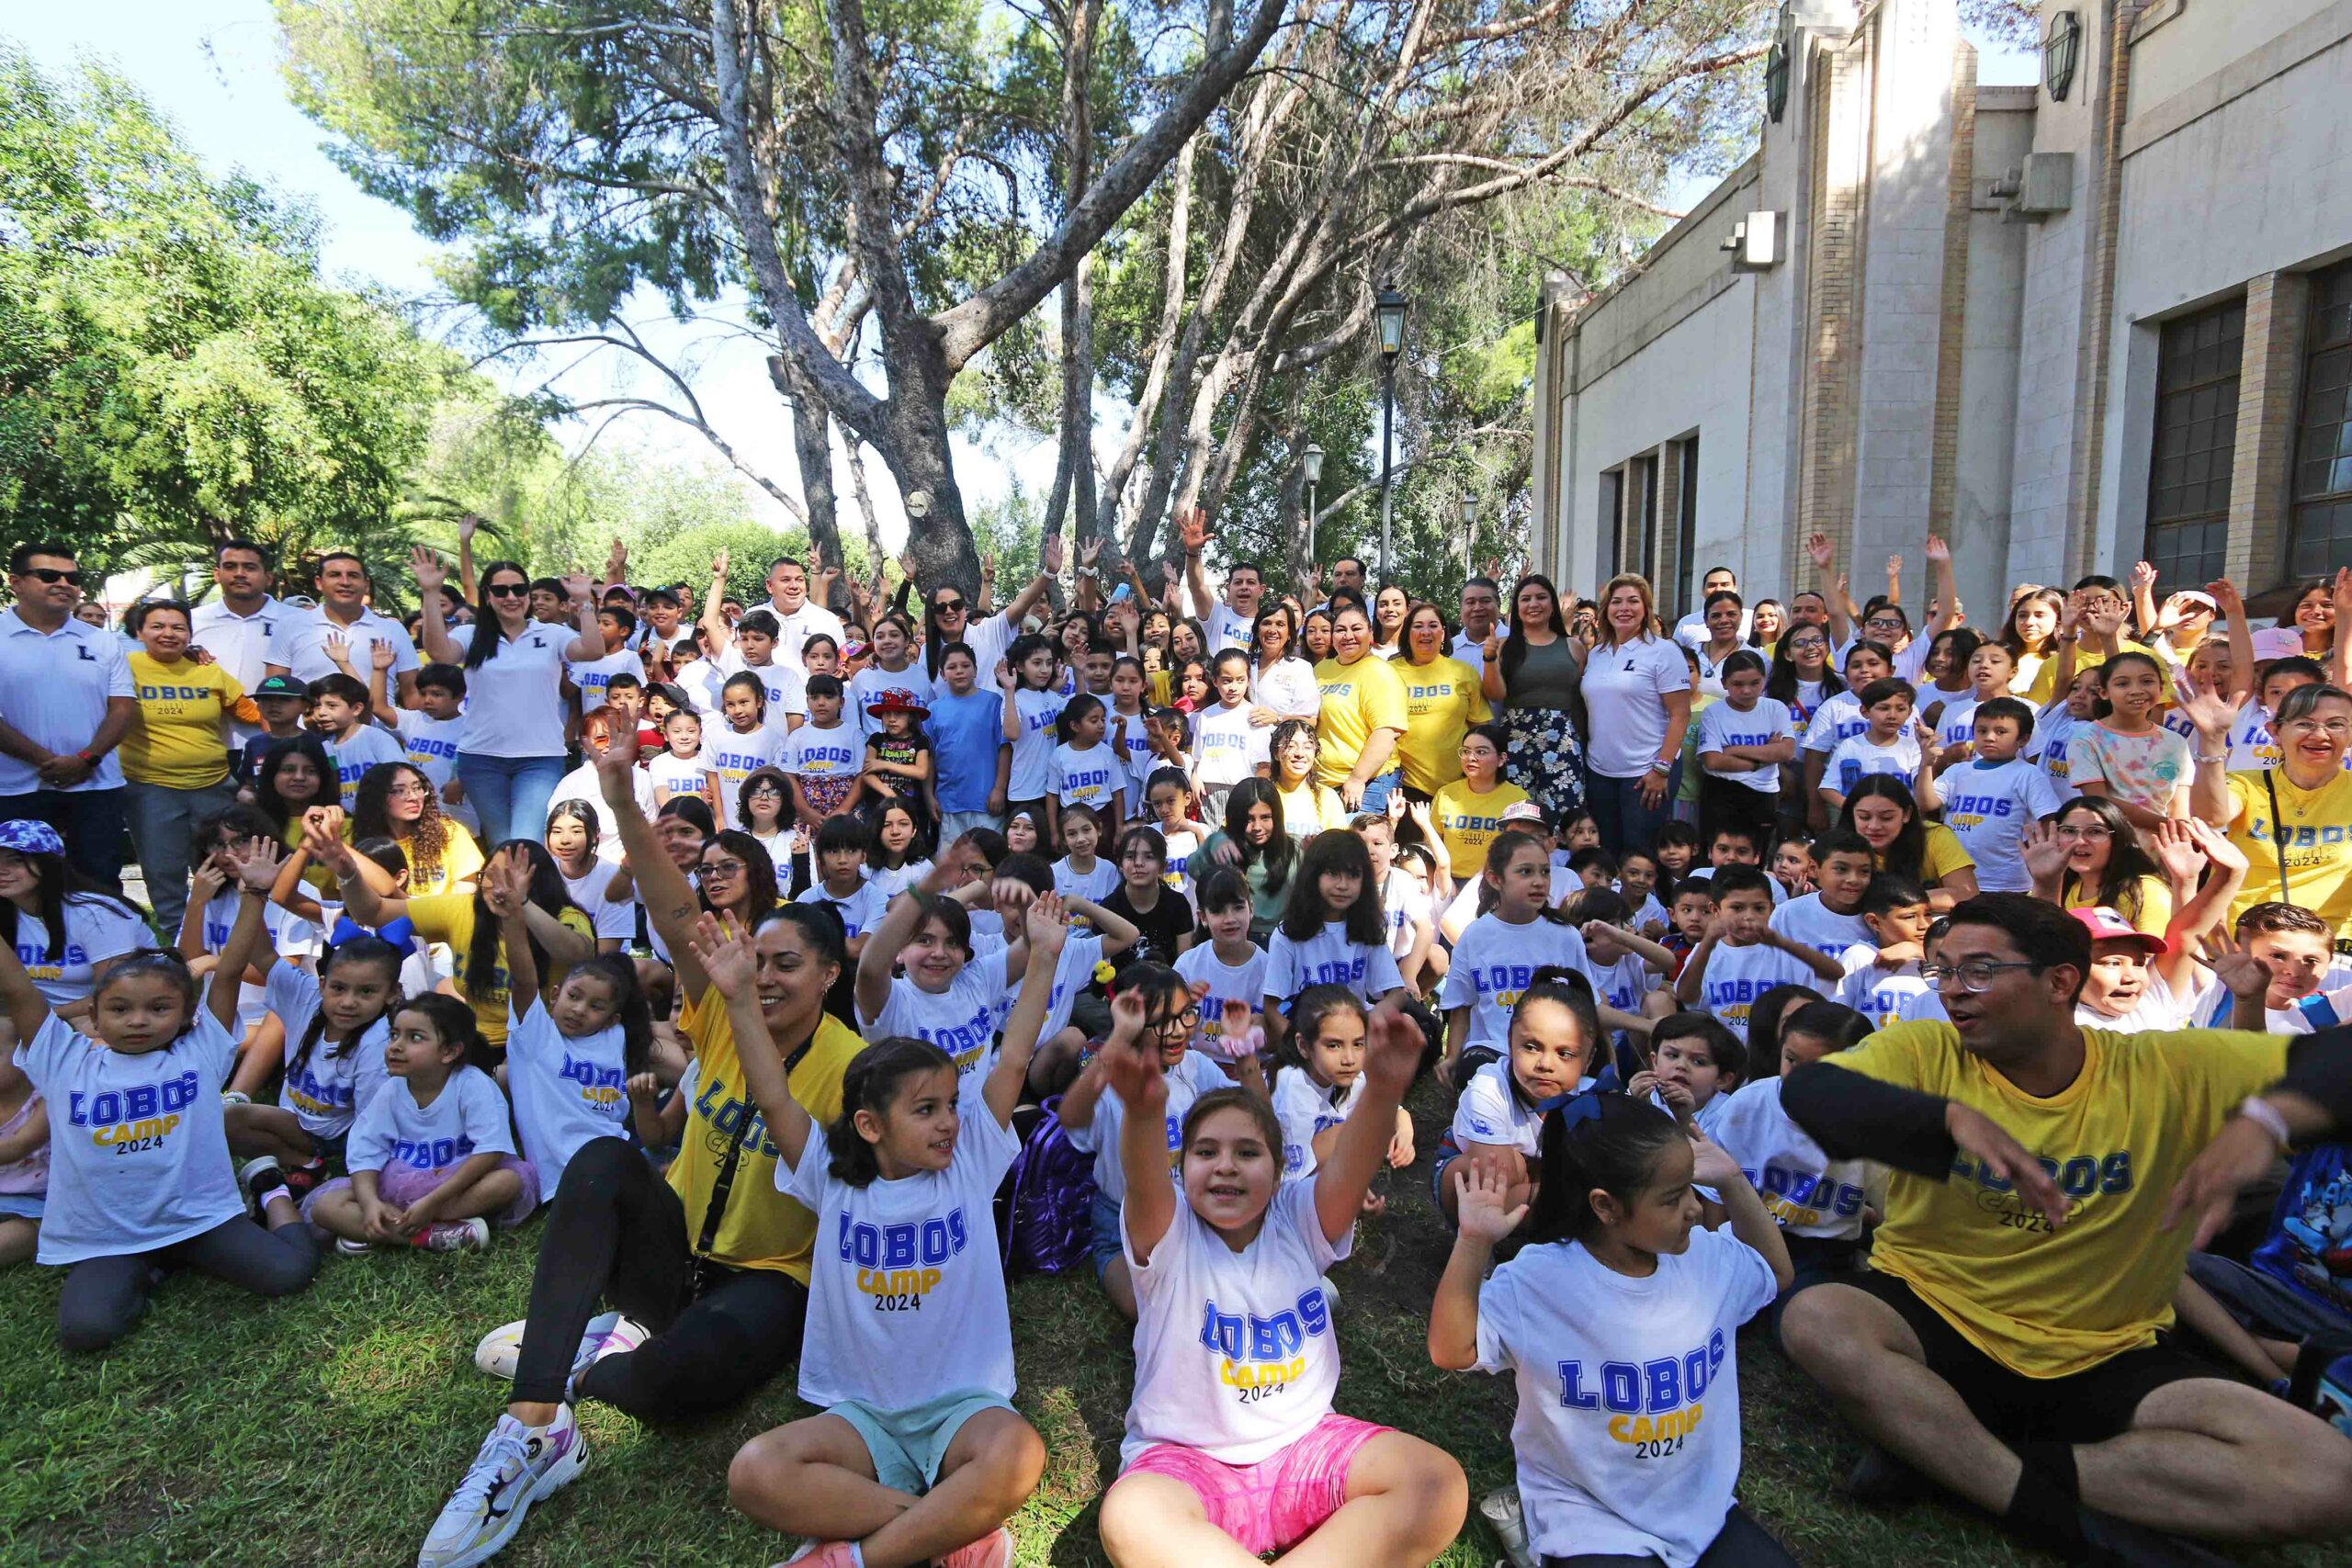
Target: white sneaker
(1500,1509)
(503,1347)
(455,1236)
(257,1179)
(517,1466)
(350,1249)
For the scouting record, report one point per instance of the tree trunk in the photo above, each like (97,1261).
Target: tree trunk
(812,444)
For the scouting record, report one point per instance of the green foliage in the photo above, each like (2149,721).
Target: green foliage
(173,369)
(1008,527)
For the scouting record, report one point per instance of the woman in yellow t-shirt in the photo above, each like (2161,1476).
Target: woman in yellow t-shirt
(2293,822)
(463,921)
(1442,700)
(175,754)
(2088,856)
(1883,811)
(395,801)
(712,1263)
(1362,714)
(1468,812)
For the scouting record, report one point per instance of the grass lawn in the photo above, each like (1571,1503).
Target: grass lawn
(327,1429)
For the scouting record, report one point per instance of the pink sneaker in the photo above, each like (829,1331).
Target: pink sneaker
(993,1549)
(821,1554)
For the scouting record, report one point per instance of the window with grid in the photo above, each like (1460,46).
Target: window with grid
(2319,524)
(2196,438)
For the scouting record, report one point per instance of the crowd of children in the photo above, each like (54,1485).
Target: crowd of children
(835,931)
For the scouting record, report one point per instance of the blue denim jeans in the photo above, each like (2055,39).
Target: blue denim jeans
(1377,790)
(1617,810)
(509,794)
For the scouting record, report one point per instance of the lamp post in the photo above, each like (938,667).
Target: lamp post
(1391,314)
(1313,462)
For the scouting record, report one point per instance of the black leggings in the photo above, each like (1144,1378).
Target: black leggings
(1741,1543)
(617,1233)
(104,1296)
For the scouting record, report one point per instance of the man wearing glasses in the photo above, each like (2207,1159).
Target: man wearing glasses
(299,647)
(2004,1343)
(66,692)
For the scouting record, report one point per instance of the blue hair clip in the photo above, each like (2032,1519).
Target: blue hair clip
(1573,1107)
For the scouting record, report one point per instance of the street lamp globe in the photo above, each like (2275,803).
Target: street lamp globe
(1313,459)
(1391,313)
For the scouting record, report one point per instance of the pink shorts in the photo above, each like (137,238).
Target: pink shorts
(1274,1505)
(403,1184)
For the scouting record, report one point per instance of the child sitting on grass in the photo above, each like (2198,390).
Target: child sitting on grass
(1313,1098)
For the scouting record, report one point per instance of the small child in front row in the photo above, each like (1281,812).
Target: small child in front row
(24,1164)
(919,1455)
(335,1025)
(1882,973)
(1619,1323)
(1695,1063)
(431,1162)
(1229,964)
(1232,1449)
(1741,957)
(1313,1100)
(1819,1203)
(140,1177)
(1556,1044)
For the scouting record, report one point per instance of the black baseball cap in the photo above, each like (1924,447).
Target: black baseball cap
(280,686)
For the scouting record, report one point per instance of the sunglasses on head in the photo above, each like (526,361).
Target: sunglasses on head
(507,589)
(51,574)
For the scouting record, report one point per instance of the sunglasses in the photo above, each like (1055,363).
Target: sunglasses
(507,589)
(949,606)
(53,575)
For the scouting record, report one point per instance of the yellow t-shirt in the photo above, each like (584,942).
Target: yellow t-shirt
(2317,836)
(2047,1305)
(762,1228)
(2154,914)
(1357,699)
(1941,857)
(176,739)
(1441,701)
(1468,823)
(449,918)
(461,858)
(2037,678)
(1309,809)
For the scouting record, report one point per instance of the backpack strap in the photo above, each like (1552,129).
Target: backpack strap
(713,1214)
(2318,1352)
(2278,843)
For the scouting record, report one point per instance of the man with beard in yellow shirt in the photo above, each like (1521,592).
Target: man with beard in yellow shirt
(2004,1343)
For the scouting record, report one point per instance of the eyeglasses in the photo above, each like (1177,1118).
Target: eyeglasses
(1802,642)
(765,789)
(2085,831)
(1187,1021)
(408,791)
(507,589)
(722,868)
(53,575)
(1975,975)
(2335,728)
(1887,623)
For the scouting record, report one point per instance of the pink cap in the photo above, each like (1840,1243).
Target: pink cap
(1522,811)
(2106,925)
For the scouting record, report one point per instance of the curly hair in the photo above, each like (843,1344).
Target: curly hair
(427,841)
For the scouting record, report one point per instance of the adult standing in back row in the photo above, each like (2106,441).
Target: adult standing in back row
(1637,703)
(65,691)
(510,746)
(300,644)
(798,618)
(1532,676)
(236,627)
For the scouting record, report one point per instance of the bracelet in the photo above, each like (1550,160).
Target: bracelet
(2265,1115)
(2203,760)
(1657,767)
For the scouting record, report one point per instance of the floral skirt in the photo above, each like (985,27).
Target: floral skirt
(1544,757)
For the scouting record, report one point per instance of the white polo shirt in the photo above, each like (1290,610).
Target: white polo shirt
(238,643)
(795,629)
(300,644)
(53,690)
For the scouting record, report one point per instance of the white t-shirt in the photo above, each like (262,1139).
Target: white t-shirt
(1737,975)
(1627,1434)
(1721,725)
(1988,810)
(1839,717)
(1227,627)
(1492,1111)
(2054,736)
(1857,757)
(1623,983)
(1094,776)
(1622,689)
(785,685)
(466,1118)
(860,911)
(1711,668)
(1305,1109)
(1289,689)
(96,929)
(735,756)
(138,1154)
(889,881)
(352,755)
(809,752)
(432,747)
(1808,922)
(1956,725)
(294,940)
(1190,1079)
(1032,754)
(1072,973)
(1878,994)
(1329,958)
(1227,748)
(868,685)
(608,917)
(681,775)
(906,1286)
(1236,1355)
(591,676)
(1807,1192)
(566,1090)
(1244,983)
(1095,884)
(512,707)
(329,1089)
(793,631)
(1495,961)
(960,1020)
(299,642)
(1405,904)
(1132,747)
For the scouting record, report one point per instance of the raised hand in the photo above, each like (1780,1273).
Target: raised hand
(1939,549)
(1392,1054)
(1004,676)
(718,566)
(729,961)
(2203,707)
(381,654)
(2242,974)
(2341,594)
(1045,926)
(338,647)
(1195,529)
(1480,1194)
(426,569)
(1049,558)
(578,589)
(505,882)
(2180,856)
(2227,599)
(1894,569)
(2221,852)
(255,864)
(988,566)
(1820,550)
(1089,553)
(617,564)
(1131,1058)
(2045,854)
(467,525)
(2144,575)
(616,767)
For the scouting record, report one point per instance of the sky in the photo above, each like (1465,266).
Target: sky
(212,66)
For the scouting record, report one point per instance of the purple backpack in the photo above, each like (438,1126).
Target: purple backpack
(1050,1226)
